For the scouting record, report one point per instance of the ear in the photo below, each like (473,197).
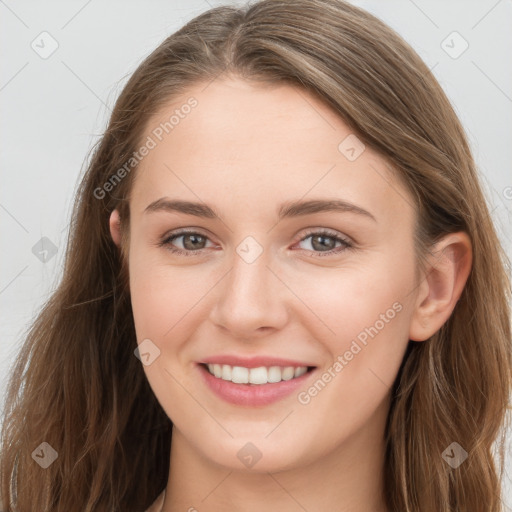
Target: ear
(448,269)
(115,227)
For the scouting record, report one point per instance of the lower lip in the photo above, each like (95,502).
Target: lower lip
(252,394)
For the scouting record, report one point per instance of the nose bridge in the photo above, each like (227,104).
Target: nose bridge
(251,297)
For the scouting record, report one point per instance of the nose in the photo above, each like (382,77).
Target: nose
(251,301)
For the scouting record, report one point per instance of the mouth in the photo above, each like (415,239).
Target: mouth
(253,385)
(256,376)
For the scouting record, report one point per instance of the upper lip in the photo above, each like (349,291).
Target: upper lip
(253,362)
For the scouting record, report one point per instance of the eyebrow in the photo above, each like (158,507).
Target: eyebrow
(287,210)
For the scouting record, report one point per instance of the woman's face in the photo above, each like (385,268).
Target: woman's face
(298,253)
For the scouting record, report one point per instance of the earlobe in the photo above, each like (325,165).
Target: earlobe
(449,265)
(115,227)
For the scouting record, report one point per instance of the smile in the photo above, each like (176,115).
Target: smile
(255,386)
(260,375)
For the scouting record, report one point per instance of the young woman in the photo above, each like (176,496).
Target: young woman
(282,289)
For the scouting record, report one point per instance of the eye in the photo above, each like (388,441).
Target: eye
(191,241)
(325,243)
(322,243)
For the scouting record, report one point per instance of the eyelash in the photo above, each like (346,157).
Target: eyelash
(166,241)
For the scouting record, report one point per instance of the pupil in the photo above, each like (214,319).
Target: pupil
(322,245)
(195,239)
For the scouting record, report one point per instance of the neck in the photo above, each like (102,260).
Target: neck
(347,479)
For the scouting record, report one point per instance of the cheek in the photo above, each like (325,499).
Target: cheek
(161,294)
(342,302)
(163,300)
(160,297)
(368,314)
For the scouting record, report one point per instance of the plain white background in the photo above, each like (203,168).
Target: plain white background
(54,108)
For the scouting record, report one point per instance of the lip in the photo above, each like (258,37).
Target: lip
(253,362)
(252,395)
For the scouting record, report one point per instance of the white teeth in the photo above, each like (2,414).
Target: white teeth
(288,373)
(226,372)
(240,375)
(217,370)
(274,374)
(301,370)
(260,375)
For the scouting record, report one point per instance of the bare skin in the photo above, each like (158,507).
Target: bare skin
(245,150)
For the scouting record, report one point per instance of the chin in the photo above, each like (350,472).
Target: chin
(256,456)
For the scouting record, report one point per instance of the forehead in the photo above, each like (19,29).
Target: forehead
(258,144)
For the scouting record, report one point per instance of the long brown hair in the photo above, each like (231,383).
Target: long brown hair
(77,385)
